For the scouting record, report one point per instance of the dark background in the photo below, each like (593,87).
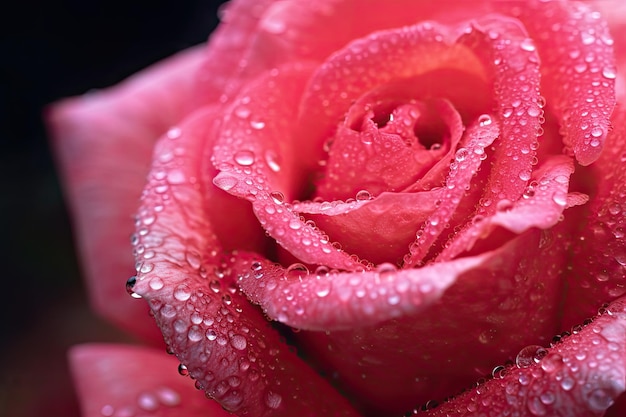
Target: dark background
(50,50)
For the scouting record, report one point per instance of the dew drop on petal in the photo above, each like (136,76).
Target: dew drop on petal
(530,355)
(277,197)
(363,195)
(182,369)
(147,401)
(168,396)
(609,73)
(244,157)
(182,292)
(238,342)
(484,120)
(273,399)
(225,181)
(130,284)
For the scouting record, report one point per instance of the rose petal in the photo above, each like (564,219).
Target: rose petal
(117,380)
(256,132)
(599,259)
(578,69)
(581,376)
(337,301)
(393,365)
(365,156)
(225,68)
(224,342)
(389,220)
(369,63)
(103,142)
(462,171)
(504,48)
(542,207)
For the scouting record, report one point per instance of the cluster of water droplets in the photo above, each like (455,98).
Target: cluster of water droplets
(147,402)
(540,378)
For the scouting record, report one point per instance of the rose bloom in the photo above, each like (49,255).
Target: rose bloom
(360,208)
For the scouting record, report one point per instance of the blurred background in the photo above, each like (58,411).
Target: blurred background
(51,50)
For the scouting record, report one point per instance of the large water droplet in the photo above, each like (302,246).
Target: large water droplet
(244,157)
(484,120)
(297,270)
(130,284)
(609,73)
(182,292)
(530,355)
(225,181)
(238,342)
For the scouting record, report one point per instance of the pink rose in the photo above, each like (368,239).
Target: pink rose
(361,209)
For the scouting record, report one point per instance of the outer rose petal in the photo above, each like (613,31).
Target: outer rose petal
(579,377)
(103,143)
(225,343)
(254,137)
(394,364)
(116,380)
(578,68)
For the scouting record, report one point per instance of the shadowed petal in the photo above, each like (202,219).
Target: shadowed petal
(103,142)
(119,380)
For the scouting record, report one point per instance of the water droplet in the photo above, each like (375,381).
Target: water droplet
(193,259)
(273,399)
(609,73)
(296,270)
(587,38)
(257,124)
(168,396)
(130,284)
(156,283)
(107,410)
(277,197)
(215,286)
(484,120)
(182,292)
(530,355)
(225,181)
(272,160)
(560,199)
(194,334)
(174,133)
(567,383)
(244,157)
(527,45)
(596,132)
(238,342)
(176,176)
(363,195)
(146,267)
(461,154)
(211,334)
(551,362)
(182,369)
(147,401)
(504,205)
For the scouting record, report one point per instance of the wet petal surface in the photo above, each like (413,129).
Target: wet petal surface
(119,380)
(580,376)
(104,142)
(223,342)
